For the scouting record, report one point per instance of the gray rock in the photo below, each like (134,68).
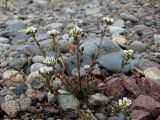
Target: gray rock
(38,59)
(69,66)
(17,63)
(90,46)
(153,73)
(4,47)
(57,83)
(98,99)
(100,116)
(93,11)
(116,30)
(4,40)
(128,17)
(8,97)
(21,36)
(75,72)
(51,98)
(68,102)
(157,38)
(138,46)
(25,103)
(113,62)
(119,23)
(36,66)
(20,89)
(27,49)
(14,25)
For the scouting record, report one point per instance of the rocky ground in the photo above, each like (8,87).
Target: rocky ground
(23,95)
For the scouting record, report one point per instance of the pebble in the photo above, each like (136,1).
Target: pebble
(128,17)
(25,103)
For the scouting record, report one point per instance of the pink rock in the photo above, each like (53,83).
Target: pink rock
(11,108)
(139,115)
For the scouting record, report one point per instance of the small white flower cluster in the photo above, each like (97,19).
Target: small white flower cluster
(108,20)
(125,102)
(128,52)
(49,60)
(45,70)
(31,30)
(53,32)
(76,31)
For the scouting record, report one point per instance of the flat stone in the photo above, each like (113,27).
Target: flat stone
(119,23)
(139,115)
(116,30)
(138,46)
(128,17)
(4,40)
(157,38)
(11,108)
(153,73)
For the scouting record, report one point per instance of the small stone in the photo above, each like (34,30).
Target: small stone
(51,98)
(17,63)
(98,99)
(8,98)
(68,102)
(25,103)
(139,115)
(20,89)
(119,23)
(11,108)
(4,40)
(57,83)
(116,30)
(138,46)
(114,88)
(97,72)
(120,40)
(38,59)
(129,17)
(36,66)
(157,38)
(153,73)
(147,103)
(100,116)
(50,109)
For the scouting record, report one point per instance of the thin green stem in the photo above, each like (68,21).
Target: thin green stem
(49,86)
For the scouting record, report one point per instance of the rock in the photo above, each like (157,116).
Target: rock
(12,78)
(75,72)
(131,85)
(147,103)
(4,40)
(41,2)
(139,115)
(57,83)
(51,98)
(20,37)
(138,46)
(153,73)
(36,66)
(38,59)
(116,30)
(119,117)
(4,64)
(113,62)
(157,38)
(17,63)
(4,47)
(120,40)
(20,89)
(11,108)
(27,49)
(98,99)
(100,116)
(90,46)
(68,102)
(34,76)
(54,26)
(25,103)
(114,88)
(144,64)
(92,11)
(119,23)
(8,98)
(51,109)
(14,25)
(128,17)
(69,66)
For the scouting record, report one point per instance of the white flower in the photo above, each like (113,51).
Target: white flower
(108,20)
(30,30)
(124,102)
(49,60)
(53,32)
(45,69)
(128,52)
(76,31)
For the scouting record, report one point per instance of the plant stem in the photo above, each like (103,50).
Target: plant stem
(78,62)
(37,43)
(49,86)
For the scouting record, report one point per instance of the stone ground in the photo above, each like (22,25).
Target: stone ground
(137,26)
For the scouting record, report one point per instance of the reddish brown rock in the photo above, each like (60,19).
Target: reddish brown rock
(131,85)
(147,103)
(158,118)
(149,87)
(139,115)
(114,88)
